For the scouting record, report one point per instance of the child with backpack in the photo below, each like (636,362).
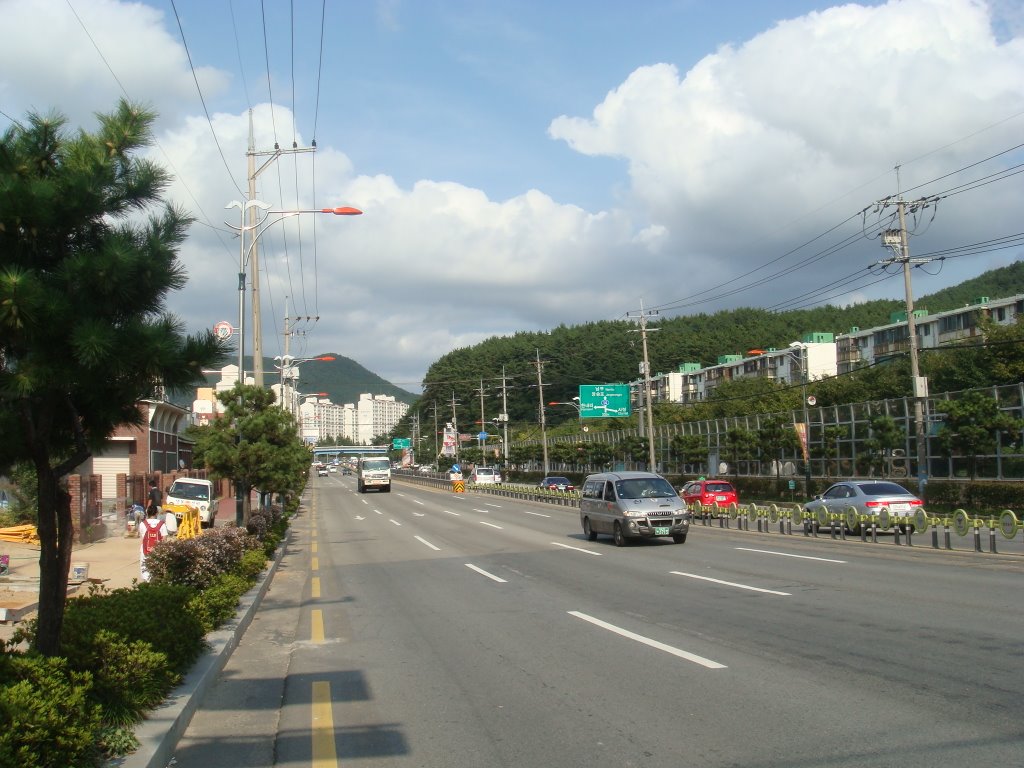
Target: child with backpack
(152,531)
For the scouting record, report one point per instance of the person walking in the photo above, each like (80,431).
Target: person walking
(152,531)
(153,497)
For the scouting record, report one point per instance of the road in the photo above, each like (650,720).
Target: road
(425,628)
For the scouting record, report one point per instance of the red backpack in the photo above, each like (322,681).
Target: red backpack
(151,537)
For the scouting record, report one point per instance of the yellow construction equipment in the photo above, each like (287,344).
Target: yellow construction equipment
(188,520)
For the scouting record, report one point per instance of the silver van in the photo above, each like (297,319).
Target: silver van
(632,505)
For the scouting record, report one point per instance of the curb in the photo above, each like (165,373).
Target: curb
(163,728)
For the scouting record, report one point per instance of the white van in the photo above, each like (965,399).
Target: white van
(485,476)
(192,492)
(632,505)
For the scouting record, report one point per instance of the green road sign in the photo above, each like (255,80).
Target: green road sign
(604,401)
(401,442)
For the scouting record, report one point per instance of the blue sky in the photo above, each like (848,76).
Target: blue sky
(527,164)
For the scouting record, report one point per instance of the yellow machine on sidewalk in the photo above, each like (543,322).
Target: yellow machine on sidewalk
(188,520)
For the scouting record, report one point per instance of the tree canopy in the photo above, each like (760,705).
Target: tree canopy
(88,256)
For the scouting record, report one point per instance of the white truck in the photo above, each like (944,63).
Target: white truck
(193,492)
(373,472)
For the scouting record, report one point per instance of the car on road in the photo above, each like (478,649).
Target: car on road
(556,483)
(632,505)
(485,476)
(198,494)
(866,498)
(708,493)
(332,468)
(321,471)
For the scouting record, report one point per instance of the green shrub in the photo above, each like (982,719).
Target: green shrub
(251,566)
(198,561)
(218,602)
(153,613)
(129,678)
(49,720)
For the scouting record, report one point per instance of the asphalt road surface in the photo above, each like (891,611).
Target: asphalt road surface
(425,628)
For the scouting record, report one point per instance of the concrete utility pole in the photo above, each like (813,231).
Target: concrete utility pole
(543,429)
(897,241)
(252,173)
(503,418)
(455,428)
(646,395)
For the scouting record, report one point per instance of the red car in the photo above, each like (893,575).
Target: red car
(710,492)
(555,483)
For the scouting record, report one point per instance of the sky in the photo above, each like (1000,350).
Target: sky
(526,164)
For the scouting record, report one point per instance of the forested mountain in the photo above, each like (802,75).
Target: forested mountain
(343,379)
(610,351)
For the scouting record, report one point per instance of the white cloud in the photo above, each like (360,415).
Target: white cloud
(758,147)
(814,107)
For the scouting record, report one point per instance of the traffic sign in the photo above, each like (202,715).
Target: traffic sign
(604,401)
(401,442)
(482,436)
(223,330)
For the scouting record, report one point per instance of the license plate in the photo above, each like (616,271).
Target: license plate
(719,498)
(899,507)
(661,531)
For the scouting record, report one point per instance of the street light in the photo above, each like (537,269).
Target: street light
(287,363)
(806,438)
(261,226)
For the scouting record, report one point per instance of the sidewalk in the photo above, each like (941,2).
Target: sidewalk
(112,562)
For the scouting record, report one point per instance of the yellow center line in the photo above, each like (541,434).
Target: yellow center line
(316,587)
(314,547)
(317,630)
(316,564)
(324,753)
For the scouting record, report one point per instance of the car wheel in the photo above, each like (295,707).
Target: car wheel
(679,538)
(618,536)
(588,531)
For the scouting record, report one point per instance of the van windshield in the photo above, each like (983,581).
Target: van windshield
(645,488)
(376,464)
(194,491)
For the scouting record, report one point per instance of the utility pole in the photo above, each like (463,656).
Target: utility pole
(898,242)
(503,418)
(252,173)
(482,441)
(646,369)
(543,428)
(455,428)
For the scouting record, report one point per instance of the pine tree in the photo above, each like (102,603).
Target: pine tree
(88,254)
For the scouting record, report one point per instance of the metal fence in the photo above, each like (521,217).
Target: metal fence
(837,441)
(959,531)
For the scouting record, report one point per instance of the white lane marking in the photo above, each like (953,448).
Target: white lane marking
(419,502)
(481,511)
(485,573)
(652,643)
(418,514)
(365,502)
(578,549)
(395,522)
(360,517)
(421,540)
(489,504)
(787,554)
(491,524)
(537,514)
(452,513)
(731,584)
(378,512)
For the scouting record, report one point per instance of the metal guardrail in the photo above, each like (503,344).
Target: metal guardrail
(792,519)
